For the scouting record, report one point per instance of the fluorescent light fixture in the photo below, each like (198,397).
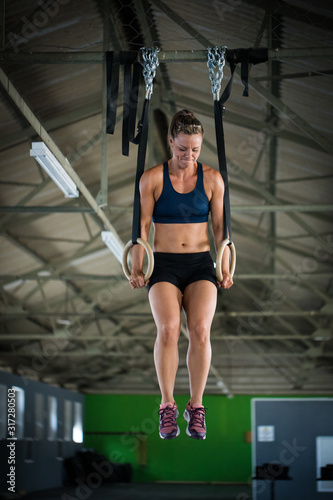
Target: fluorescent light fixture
(44,273)
(12,284)
(78,423)
(64,322)
(54,169)
(114,244)
(322,334)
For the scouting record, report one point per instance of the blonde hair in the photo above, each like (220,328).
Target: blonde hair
(184,121)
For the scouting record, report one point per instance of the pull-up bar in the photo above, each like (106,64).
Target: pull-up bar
(164,56)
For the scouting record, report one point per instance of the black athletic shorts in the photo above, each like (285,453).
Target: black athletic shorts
(182,269)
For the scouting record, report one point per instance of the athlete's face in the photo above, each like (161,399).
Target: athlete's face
(186,148)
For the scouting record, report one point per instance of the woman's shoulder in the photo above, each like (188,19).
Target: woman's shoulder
(152,175)
(211,174)
(155,170)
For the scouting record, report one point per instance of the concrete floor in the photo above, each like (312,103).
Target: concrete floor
(143,491)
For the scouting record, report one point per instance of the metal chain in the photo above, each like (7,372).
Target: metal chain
(150,63)
(215,63)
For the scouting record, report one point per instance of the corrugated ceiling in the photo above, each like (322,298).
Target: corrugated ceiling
(68,315)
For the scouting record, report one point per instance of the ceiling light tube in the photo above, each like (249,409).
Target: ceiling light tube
(114,244)
(54,169)
(324,334)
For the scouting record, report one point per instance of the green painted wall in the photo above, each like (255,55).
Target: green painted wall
(223,456)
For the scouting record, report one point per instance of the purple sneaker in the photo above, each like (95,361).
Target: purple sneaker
(195,417)
(168,421)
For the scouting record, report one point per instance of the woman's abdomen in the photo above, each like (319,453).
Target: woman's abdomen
(181,238)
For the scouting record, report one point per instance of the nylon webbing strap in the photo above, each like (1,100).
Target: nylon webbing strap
(112,75)
(220,144)
(131,89)
(134,99)
(132,70)
(126,109)
(245,57)
(142,139)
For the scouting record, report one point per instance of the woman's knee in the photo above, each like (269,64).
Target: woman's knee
(199,333)
(168,333)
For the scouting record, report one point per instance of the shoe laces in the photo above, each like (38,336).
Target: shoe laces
(198,416)
(168,416)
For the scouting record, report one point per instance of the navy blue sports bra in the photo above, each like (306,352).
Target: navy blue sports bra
(181,208)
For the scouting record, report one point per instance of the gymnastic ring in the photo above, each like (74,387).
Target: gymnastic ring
(150,256)
(219,259)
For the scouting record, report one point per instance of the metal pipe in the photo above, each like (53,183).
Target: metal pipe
(169,56)
(119,209)
(111,338)
(228,314)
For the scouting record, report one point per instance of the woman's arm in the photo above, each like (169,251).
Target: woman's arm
(147,203)
(216,207)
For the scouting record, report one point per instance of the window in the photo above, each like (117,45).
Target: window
(78,427)
(39,416)
(324,446)
(60,449)
(29,450)
(52,418)
(19,412)
(3,407)
(68,426)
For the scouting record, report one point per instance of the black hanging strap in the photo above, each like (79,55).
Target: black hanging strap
(134,99)
(131,92)
(126,108)
(112,75)
(220,144)
(233,57)
(142,138)
(132,71)
(246,57)
(131,89)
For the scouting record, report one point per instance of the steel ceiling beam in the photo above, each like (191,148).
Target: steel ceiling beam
(289,326)
(270,198)
(94,109)
(45,137)
(272,116)
(250,123)
(116,354)
(291,115)
(7,218)
(105,315)
(118,277)
(273,100)
(24,248)
(171,56)
(108,35)
(262,239)
(287,76)
(306,15)
(20,136)
(2,24)
(8,337)
(285,371)
(238,209)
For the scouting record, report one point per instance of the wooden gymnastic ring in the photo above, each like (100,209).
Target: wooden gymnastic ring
(219,259)
(150,256)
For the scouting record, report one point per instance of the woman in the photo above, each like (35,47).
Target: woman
(178,196)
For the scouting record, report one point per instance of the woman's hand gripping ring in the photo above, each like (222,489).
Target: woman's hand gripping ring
(150,256)
(219,259)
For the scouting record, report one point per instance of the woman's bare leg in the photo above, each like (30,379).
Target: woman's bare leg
(199,304)
(166,302)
